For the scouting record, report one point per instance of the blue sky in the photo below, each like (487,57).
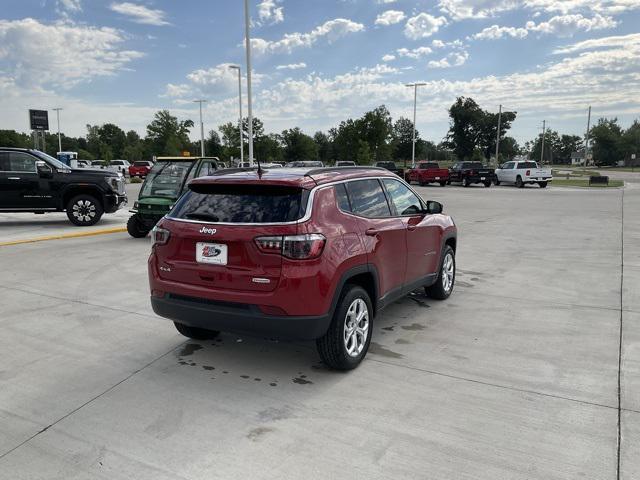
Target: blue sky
(317,62)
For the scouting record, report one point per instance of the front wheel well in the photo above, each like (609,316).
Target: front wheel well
(452,242)
(75,191)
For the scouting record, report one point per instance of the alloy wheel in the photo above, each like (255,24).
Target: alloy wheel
(356,327)
(448,271)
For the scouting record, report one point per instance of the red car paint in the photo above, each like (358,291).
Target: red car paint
(389,255)
(427,172)
(140,169)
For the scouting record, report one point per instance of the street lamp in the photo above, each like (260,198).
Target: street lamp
(57,110)
(201,127)
(247,27)
(415,103)
(239,69)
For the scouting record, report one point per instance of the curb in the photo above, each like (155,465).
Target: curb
(63,236)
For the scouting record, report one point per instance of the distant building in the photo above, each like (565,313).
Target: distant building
(577,158)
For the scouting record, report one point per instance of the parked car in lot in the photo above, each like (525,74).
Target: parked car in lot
(391,166)
(427,172)
(304,164)
(345,164)
(164,184)
(119,166)
(523,173)
(140,169)
(307,254)
(469,173)
(32,181)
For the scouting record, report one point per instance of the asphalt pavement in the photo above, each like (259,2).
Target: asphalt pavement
(526,372)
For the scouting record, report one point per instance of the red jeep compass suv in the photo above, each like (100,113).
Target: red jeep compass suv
(298,253)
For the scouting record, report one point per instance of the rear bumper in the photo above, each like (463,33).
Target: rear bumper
(538,179)
(479,178)
(237,318)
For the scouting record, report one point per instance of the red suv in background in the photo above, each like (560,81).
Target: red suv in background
(298,253)
(140,169)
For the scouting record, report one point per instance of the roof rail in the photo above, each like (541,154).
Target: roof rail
(341,169)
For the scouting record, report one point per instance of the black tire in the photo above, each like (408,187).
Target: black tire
(84,210)
(438,290)
(422,184)
(136,228)
(542,184)
(331,346)
(496,182)
(448,182)
(487,184)
(467,183)
(196,333)
(443,184)
(519,182)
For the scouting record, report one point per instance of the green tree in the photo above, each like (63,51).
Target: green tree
(298,146)
(607,142)
(509,148)
(325,148)
(167,135)
(402,140)
(11,138)
(568,144)
(268,148)
(363,157)
(375,128)
(631,142)
(552,147)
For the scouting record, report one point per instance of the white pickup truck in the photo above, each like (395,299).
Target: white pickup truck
(522,173)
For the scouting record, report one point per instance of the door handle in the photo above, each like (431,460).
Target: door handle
(371,232)
(411,228)
(13,178)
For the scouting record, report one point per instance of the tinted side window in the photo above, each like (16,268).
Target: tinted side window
(342,198)
(405,201)
(4,161)
(207,168)
(21,162)
(368,198)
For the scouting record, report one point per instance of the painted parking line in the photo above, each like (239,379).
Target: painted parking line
(62,236)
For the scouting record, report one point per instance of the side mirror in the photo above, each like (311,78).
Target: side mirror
(43,169)
(434,207)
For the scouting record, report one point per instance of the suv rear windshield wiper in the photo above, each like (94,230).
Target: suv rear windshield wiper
(202,216)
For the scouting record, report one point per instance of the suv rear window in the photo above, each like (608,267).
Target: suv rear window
(474,165)
(140,164)
(424,166)
(242,204)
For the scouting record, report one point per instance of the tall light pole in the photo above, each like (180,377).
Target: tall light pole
(586,145)
(415,106)
(237,67)
(57,110)
(247,27)
(544,127)
(201,127)
(498,136)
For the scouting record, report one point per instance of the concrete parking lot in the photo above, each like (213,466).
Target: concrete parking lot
(526,372)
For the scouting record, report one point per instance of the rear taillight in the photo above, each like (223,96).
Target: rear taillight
(297,247)
(159,236)
(528,173)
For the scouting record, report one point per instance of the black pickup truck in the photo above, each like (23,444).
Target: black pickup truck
(468,173)
(392,167)
(32,181)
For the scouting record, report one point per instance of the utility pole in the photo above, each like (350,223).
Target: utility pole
(586,145)
(498,136)
(247,26)
(415,106)
(201,127)
(57,110)
(237,67)
(544,126)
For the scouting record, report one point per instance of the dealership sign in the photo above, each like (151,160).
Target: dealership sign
(39,119)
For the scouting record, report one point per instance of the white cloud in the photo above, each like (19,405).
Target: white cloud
(390,17)
(270,12)
(61,54)
(388,58)
(464,9)
(561,26)
(292,66)
(567,25)
(618,41)
(454,59)
(415,53)
(71,6)
(495,32)
(385,2)
(423,25)
(605,7)
(331,30)
(140,13)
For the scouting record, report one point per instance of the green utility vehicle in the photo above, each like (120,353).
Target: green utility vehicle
(163,186)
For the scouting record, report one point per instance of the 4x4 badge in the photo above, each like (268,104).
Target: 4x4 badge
(210,231)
